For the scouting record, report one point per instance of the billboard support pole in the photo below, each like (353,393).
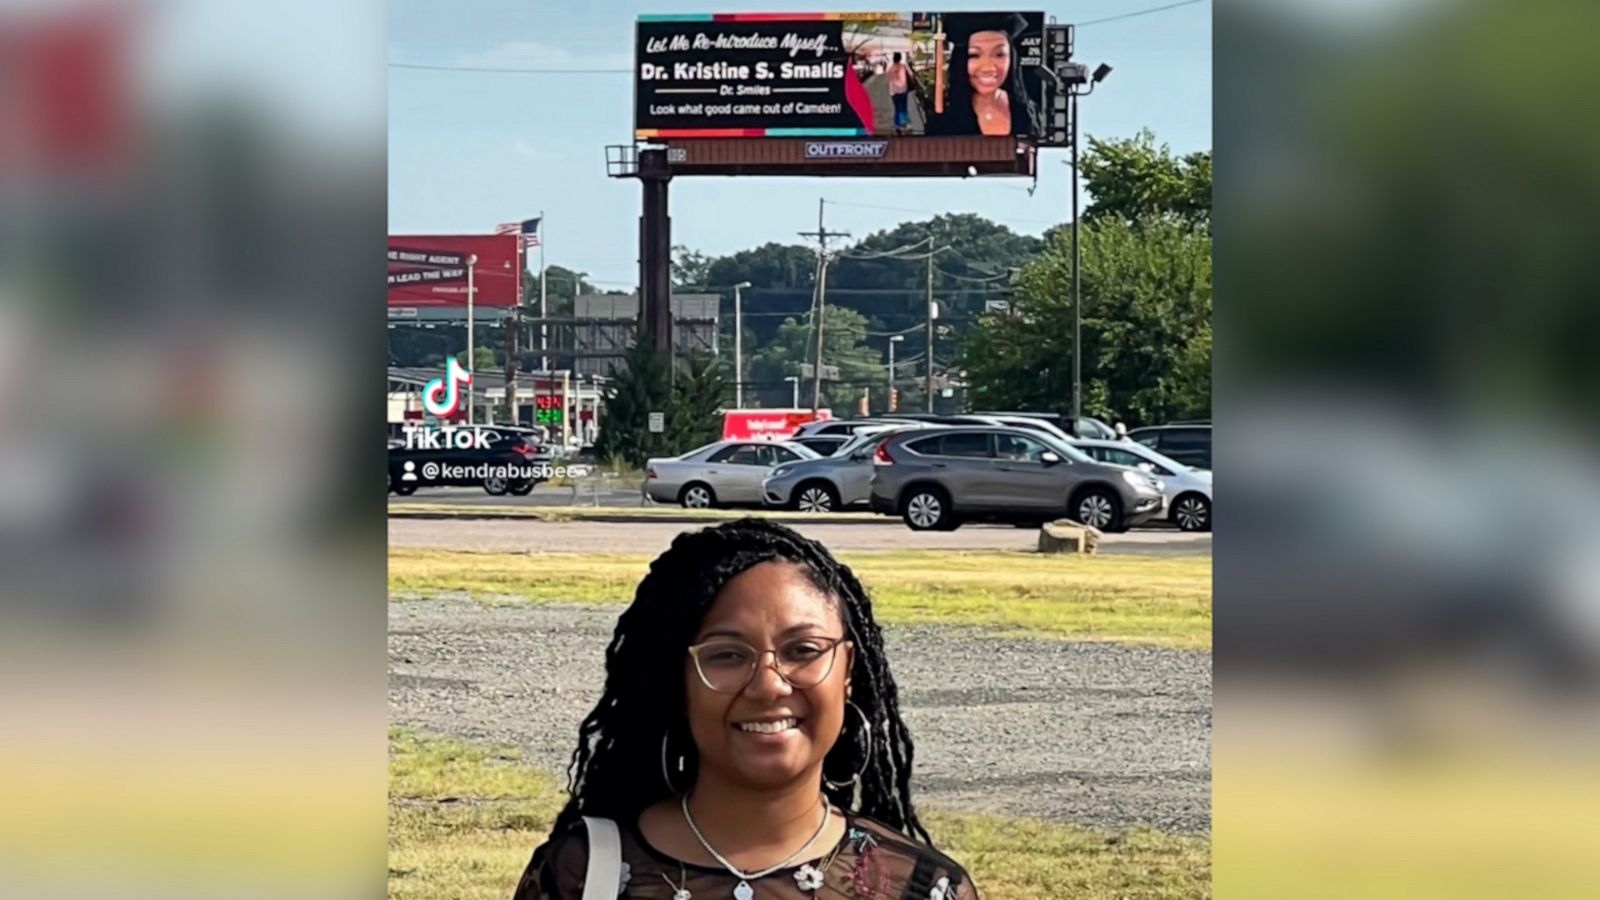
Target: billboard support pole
(655,253)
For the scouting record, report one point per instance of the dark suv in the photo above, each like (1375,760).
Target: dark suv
(936,479)
(1187,443)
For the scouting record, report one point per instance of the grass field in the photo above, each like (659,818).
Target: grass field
(463,820)
(1136,599)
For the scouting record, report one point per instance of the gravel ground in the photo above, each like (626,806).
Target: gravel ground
(1098,734)
(516,536)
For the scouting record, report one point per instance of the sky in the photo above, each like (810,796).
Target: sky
(470,150)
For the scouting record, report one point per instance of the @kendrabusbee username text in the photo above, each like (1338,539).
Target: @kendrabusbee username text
(432,471)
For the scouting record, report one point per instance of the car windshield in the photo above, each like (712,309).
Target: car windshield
(803,451)
(1155,456)
(699,450)
(1062,448)
(864,436)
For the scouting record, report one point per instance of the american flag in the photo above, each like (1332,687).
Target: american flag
(508,228)
(530,232)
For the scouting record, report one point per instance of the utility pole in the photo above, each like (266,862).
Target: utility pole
(820,311)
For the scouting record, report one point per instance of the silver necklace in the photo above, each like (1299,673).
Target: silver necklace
(743,890)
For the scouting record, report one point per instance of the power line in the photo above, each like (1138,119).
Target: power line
(1139,12)
(929,212)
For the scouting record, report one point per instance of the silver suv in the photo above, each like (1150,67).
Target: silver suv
(938,479)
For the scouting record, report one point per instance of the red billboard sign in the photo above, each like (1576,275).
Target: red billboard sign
(430,271)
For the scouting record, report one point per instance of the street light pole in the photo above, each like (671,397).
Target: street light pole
(1077,285)
(738,346)
(1100,73)
(472,265)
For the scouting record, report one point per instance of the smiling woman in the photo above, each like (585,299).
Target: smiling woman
(749,741)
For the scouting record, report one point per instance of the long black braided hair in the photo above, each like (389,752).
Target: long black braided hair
(616,770)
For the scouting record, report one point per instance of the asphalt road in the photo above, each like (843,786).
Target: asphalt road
(544,495)
(519,536)
(1100,734)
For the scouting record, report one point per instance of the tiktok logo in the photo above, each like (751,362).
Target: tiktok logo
(442,396)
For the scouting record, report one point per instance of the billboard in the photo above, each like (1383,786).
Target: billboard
(430,271)
(839,75)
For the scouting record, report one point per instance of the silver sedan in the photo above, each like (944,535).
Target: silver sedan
(726,473)
(1188,490)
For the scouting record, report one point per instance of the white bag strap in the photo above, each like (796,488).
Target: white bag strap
(604,879)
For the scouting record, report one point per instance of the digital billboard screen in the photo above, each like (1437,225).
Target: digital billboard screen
(744,75)
(430,271)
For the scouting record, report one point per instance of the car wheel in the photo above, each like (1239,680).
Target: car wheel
(817,496)
(521,488)
(697,496)
(927,509)
(495,486)
(1191,512)
(1099,508)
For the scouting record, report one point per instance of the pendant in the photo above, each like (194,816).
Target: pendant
(744,891)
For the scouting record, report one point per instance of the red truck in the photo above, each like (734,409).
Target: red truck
(767,424)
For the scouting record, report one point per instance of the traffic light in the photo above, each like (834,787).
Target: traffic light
(894,399)
(861,405)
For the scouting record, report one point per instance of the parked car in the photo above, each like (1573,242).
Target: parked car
(942,419)
(936,480)
(1034,423)
(826,485)
(409,468)
(721,474)
(1087,426)
(835,427)
(1188,492)
(824,446)
(1188,444)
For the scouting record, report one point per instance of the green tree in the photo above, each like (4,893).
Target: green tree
(694,417)
(1134,180)
(1146,327)
(486,360)
(564,285)
(643,386)
(844,346)
(690,401)
(690,268)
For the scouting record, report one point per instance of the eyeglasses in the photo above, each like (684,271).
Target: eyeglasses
(726,666)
